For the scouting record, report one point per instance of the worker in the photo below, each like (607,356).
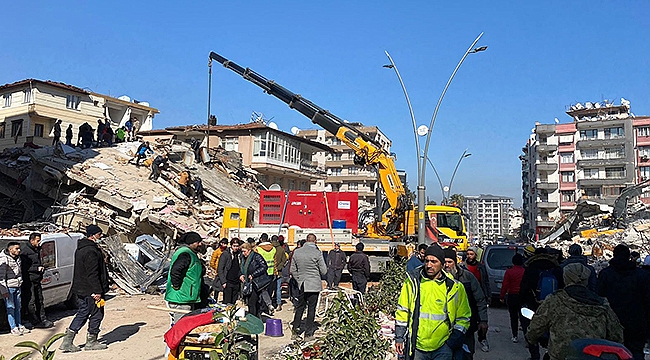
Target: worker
(433,313)
(336,261)
(267,250)
(128,127)
(136,128)
(68,135)
(359,268)
(183,180)
(158,163)
(100,132)
(216,254)
(417,259)
(57,132)
(198,190)
(120,135)
(185,278)
(141,152)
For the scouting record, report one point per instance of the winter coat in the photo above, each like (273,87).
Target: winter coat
(359,263)
(580,259)
(214,259)
(413,262)
(30,258)
(90,273)
(484,280)
(257,269)
(627,289)
(281,258)
(475,296)
(573,313)
(308,266)
(226,265)
(534,266)
(512,281)
(336,260)
(10,272)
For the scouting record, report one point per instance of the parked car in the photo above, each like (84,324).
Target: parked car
(497,259)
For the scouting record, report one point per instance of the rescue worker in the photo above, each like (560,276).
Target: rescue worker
(433,313)
(417,259)
(359,268)
(159,162)
(68,135)
(141,153)
(183,181)
(185,278)
(57,132)
(267,250)
(336,261)
(475,297)
(574,312)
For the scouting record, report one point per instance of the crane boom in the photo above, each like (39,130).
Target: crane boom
(392,218)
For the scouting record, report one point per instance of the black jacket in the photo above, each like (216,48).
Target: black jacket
(257,268)
(627,290)
(90,273)
(229,270)
(534,266)
(30,258)
(359,263)
(336,260)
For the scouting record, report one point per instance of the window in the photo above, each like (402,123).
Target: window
(615,153)
(48,254)
(27,95)
(589,154)
(588,134)
(568,196)
(615,173)
(612,190)
(303,186)
(614,133)
(17,128)
(72,102)
(353,186)
(291,184)
(643,131)
(259,145)
(7,100)
(542,140)
(568,176)
(591,173)
(335,171)
(336,156)
(566,158)
(644,151)
(592,192)
(2,130)
(38,130)
(353,170)
(231,144)
(336,187)
(566,139)
(644,172)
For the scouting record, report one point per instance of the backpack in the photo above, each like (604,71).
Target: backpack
(546,285)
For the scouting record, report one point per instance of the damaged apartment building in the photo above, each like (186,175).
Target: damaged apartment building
(604,150)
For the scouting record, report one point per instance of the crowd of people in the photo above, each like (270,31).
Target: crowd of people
(444,302)
(104,135)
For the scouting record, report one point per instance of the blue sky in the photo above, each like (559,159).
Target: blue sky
(542,57)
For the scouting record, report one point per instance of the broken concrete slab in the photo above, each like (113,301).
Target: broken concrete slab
(116,202)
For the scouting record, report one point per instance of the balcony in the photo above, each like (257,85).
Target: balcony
(547,204)
(310,167)
(545,129)
(598,143)
(602,162)
(544,148)
(547,166)
(601,182)
(547,185)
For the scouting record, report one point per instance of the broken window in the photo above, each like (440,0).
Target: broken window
(38,130)
(17,128)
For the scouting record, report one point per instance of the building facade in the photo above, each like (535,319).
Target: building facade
(593,158)
(342,173)
(29,108)
(488,215)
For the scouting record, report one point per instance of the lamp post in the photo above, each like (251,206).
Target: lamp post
(442,187)
(464,155)
(421,159)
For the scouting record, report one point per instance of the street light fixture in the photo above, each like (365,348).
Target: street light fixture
(464,155)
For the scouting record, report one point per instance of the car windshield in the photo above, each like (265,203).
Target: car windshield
(450,220)
(500,259)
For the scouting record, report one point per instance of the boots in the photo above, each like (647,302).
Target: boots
(67,345)
(93,344)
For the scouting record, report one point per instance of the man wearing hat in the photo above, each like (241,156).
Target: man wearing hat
(433,313)
(336,261)
(185,277)
(574,312)
(90,284)
(626,287)
(575,256)
(476,298)
(479,271)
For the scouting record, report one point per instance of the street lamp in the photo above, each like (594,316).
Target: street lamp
(465,154)
(421,164)
(442,187)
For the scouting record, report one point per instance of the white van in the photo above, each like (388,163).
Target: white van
(57,256)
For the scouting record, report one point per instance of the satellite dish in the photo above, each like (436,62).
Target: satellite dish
(144,103)
(589,105)
(125,98)
(422,130)
(275,187)
(295,130)
(273,125)
(597,105)
(557,121)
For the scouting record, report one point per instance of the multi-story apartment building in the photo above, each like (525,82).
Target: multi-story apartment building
(278,157)
(29,108)
(342,173)
(593,158)
(515,220)
(488,215)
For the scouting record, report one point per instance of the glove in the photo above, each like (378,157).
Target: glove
(455,340)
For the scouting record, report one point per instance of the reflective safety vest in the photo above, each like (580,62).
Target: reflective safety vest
(443,307)
(269,257)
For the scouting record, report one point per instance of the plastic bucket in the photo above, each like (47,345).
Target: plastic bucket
(273,328)
(339,224)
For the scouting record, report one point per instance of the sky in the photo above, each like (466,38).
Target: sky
(541,57)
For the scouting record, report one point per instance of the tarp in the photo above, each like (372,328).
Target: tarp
(125,117)
(147,124)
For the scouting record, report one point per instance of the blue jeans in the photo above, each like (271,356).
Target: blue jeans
(444,353)
(12,302)
(278,291)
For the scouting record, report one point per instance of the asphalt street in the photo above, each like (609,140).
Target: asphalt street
(499,338)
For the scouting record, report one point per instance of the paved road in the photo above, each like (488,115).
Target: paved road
(501,346)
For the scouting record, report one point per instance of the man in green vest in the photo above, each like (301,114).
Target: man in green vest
(267,250)
(185,276)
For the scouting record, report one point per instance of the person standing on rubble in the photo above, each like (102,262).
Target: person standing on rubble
(255,277)
(32,292)
(574,312)
(198,190)
(128,127)
(476,298)
(281,259)
(307,267)
(575,256)
(100,132)
(185,277)
(159,162)
(11,279)
(229,272)
(68,135)
(57,132)
(359,268)
(141,152)
(627,288)
(90,284)
(183,181)
(433,313)
(336,261)
(268,251)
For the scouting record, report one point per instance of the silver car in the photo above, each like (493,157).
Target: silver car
(497,259)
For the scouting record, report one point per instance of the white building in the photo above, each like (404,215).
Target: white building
(488,215)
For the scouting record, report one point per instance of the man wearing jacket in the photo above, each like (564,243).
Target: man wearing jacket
(281,260)
(90,284)
(230,271)
(359,268)
(11,280)
(575,256)
(185,277)
(510,293)
(336,261)
(433,313)
(32,292)
(479,271)
(307,268)
(475,297)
